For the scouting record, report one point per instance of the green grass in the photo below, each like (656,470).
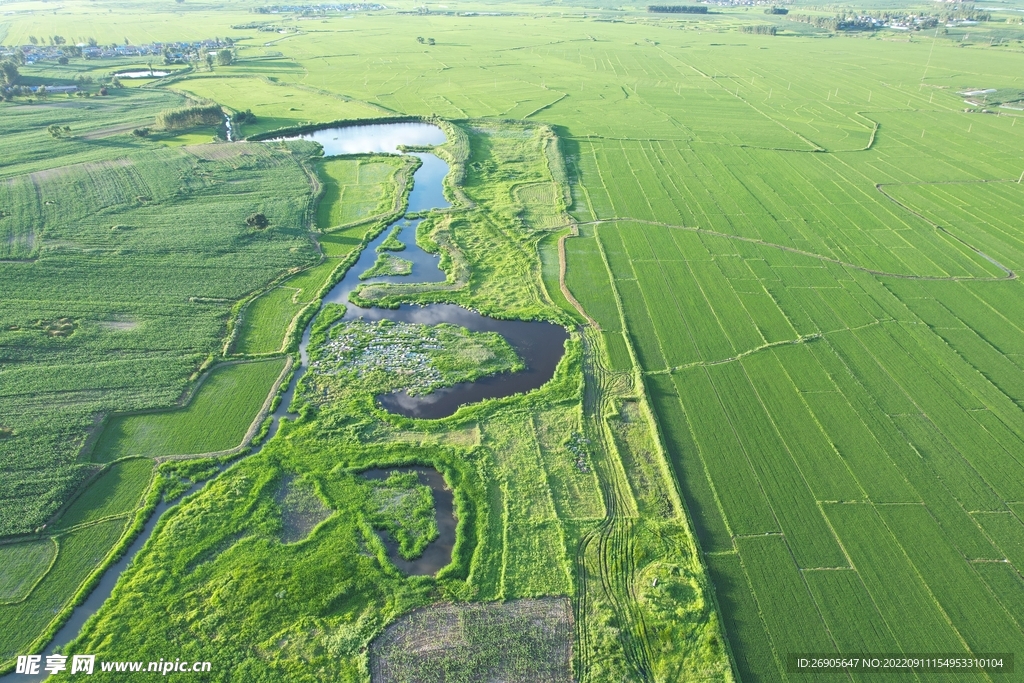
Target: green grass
(216,418)
(356,189)
(23,565)
(266,319)
(132,257)
(387,264)
(80,551)
(275,105)
(403,508)
(117,491)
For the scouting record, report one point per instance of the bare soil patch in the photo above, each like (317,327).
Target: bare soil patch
(522,640)
(301,508)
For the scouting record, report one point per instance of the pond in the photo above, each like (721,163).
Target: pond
(141,74)
(438,553)
(539,344)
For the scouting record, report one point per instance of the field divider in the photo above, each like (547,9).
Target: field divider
(42,576)
(1010,274)
(802,339)
(254,427)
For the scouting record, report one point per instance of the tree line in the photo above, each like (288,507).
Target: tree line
(678,9)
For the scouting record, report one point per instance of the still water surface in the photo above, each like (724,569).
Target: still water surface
(438,553)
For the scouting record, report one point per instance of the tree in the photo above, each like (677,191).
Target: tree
(92,42)
(257,220)
(33,40)
(57,131)
(8,72)
(209,61)
(59,40)
(430,41)
(225,57)
(62,60)
(419,39)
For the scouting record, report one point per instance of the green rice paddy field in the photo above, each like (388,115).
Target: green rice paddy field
(799,428)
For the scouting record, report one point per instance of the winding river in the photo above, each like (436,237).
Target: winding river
(539,344)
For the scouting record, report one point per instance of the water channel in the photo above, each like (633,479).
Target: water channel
(539,344)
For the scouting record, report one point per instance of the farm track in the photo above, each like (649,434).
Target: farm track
(1009,273)
(608,549)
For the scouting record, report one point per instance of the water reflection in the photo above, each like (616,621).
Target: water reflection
(438,553)
(374,138)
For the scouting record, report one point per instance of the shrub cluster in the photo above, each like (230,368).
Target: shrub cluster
(679,9)
(189,117)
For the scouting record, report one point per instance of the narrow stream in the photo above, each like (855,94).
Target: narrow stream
(69,631)
(539,344)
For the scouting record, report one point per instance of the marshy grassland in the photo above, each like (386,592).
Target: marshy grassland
(789,413)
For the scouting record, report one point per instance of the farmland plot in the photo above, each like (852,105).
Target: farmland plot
(524,640)
(215,419)
(864,364)
(139,258)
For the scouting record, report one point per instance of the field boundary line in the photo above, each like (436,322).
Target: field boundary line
(1011,275)
(802,339)
(101,520)
(563,267)
(549,104)
(815,147)
(32,589)
(253,428)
